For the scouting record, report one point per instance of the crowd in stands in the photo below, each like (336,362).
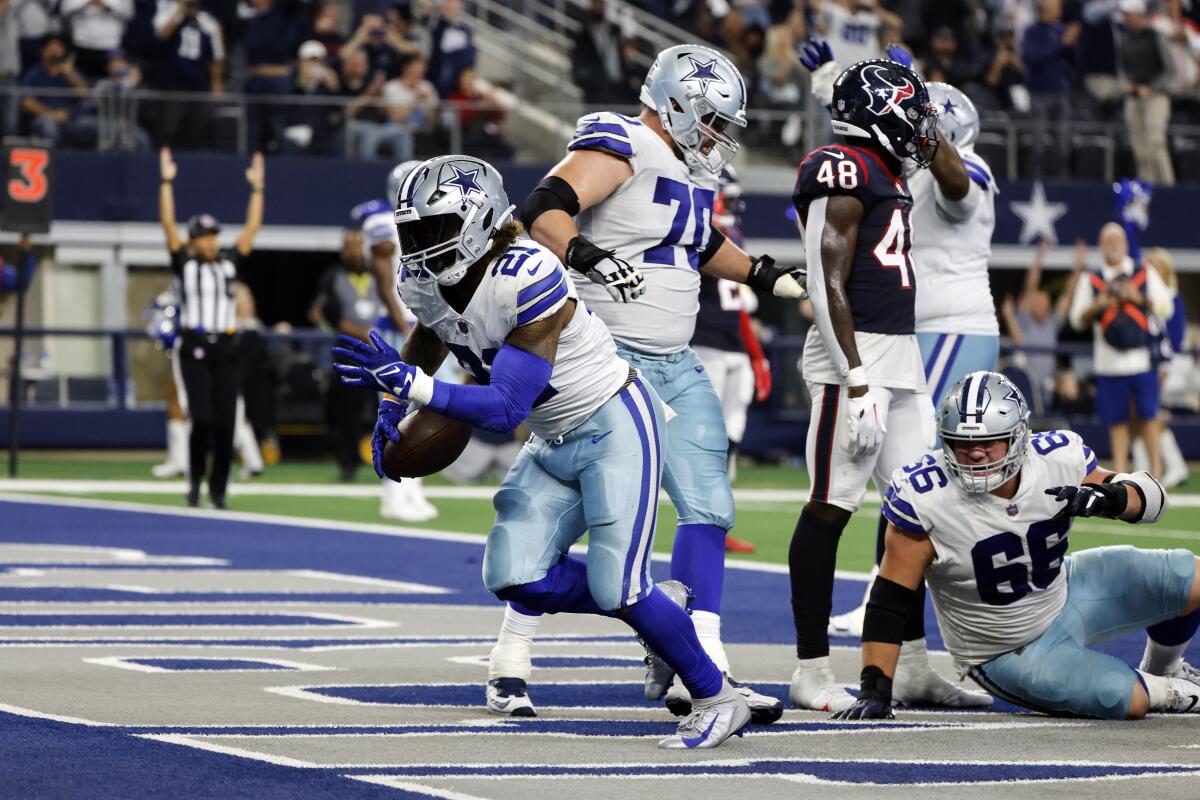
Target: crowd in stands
(315,80)
(1044,60)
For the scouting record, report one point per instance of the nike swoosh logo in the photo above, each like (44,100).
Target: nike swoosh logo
(533,270)
(699,740)
(598,437)
(834,153)
(501,706)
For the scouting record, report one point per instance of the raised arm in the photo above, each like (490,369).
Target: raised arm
(256,176)
(950,172)
(166,200)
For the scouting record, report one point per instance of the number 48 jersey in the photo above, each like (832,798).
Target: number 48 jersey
(997,578)
(658,220)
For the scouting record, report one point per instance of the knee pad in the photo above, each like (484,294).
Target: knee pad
(1113,693)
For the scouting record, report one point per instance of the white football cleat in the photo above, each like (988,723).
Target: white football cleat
(509,697)
(916,683)
(848,624)
(1180,669)
(1183,697)
(711,722)
(659,673)
(764,709)
(814,688)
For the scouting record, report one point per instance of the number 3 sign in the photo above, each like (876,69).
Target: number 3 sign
(28,184)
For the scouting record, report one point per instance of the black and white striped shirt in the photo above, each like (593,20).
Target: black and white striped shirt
(206,299)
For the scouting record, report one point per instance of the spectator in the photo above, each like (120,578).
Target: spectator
(1045,49)
(1097,54)
(1182,38)
(1114,302)
(1145,70)
(347,303)
(35,21)
(411,106)
(479,116)
(327,28)
(96,28)
(116,98)
(451,47)
(853,27)
(364,112)
(10,66)
(269,42)
(313,127)
(58,117)
(945,64)
(1005,75)
(371,38)
(781,78)
(1034,321)
(402,33)
(195,55)
(598,67)
(1177,371)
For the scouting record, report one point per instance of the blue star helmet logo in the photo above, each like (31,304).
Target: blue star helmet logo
(705,72)
(949,108)
(464,181)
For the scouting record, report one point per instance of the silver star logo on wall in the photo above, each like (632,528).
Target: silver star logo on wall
(1038,216)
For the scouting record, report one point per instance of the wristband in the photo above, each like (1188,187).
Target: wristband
(421,391)
(874,685)
(856,377)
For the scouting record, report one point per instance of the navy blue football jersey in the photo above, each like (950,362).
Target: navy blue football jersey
(719,322)
(881,286)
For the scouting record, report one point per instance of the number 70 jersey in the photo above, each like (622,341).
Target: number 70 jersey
(659,220)
(997,579)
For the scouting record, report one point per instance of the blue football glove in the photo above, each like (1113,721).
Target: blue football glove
(814,53)
(899,54)
(1091,500)
(374,365)
(391,411)
(867,708)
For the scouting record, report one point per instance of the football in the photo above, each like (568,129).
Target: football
(428,443)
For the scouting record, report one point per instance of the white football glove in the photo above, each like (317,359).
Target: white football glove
(864,425)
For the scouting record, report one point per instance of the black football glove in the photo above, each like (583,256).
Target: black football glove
(874,697)
(1091,500)
(786,282)
(622,280)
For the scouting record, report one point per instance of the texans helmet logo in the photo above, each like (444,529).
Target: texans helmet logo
(884,94)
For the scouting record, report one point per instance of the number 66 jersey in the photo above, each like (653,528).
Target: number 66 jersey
(997,579)
(881,287)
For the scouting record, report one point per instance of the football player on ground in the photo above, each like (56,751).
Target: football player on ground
(953,216)
(504,306)
(630,207)
(986,522)
(870,410)
(400,500)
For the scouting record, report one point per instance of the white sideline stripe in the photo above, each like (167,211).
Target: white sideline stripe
(399,783)
(334,526)
(118,554)
(122,662)
(187,741)
(29,712)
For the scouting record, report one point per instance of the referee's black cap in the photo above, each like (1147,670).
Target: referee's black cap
(202,225)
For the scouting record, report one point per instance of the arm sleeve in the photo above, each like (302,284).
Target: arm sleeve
(518,378)
(606,132)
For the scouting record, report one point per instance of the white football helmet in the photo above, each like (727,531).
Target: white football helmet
(448,210)
(958,120)
(396,177)
(698,95)
(984,406)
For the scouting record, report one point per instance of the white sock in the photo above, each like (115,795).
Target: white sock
(708,631)
(178,431)
(915,654)
(511,657)
(819,663)
(1173,460)
(394,493)
(1156,688)
(1141,456)
(1160,659)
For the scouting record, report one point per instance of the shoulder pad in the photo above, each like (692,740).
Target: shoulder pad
(898,507)
(535,280)
(833,170)
(607,132)
(1066,447)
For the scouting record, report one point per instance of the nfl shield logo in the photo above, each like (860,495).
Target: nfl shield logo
(1012,509)
(462,326)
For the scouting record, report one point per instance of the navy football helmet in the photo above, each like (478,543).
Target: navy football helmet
(886,101)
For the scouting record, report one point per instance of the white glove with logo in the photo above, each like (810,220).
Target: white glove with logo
(864,425)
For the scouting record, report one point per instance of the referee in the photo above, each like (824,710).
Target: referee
(205,355)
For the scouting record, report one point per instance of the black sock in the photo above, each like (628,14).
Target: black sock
(880,534)
(914,626)
(198,451)
(812,558)
(222,461)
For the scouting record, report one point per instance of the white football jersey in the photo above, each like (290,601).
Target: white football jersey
(658,220)
(524,285)
(952,242)
(997,579)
